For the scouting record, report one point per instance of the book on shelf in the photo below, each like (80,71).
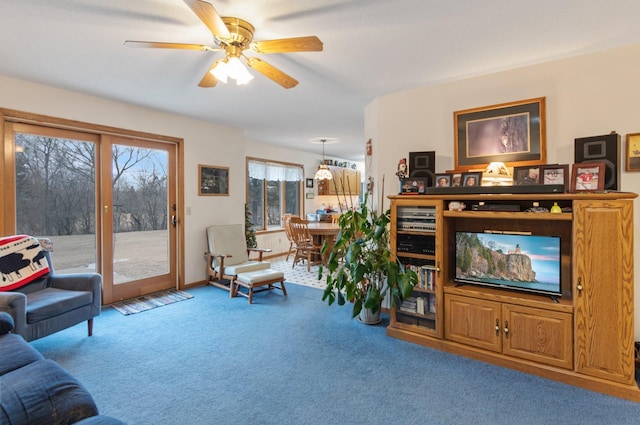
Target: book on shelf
(420,305)
(426,276)
(410,305)
(432,304)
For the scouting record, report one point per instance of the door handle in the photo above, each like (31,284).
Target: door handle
(174,220)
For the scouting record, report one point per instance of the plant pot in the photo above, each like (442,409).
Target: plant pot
(368,317)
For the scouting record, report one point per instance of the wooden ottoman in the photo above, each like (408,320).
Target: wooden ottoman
(256,279)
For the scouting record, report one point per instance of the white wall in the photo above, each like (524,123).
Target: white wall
(204,144)
(587,95)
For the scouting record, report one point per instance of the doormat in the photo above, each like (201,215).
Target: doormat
(147,302)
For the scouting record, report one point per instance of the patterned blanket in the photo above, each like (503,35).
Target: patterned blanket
(22,260)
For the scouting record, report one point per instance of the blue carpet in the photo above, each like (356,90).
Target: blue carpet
(294,360)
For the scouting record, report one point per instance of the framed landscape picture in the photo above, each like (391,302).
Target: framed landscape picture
(587,177)
(213,180)
(513,133)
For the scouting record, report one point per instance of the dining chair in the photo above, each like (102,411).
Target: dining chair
(287,231)
(306,250)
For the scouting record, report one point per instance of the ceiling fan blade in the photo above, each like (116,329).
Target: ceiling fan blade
(286,45)
(161,45)
(272,72)
(209,80)
(208,15)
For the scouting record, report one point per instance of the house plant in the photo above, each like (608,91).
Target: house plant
(362,268)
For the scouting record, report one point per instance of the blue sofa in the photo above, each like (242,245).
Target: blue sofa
(37,391)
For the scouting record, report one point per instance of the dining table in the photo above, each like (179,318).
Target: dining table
(323,231)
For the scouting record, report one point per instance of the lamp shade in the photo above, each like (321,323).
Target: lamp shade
(231,67)
(497,174)
(323,173)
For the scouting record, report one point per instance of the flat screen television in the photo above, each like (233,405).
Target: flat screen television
(520,262)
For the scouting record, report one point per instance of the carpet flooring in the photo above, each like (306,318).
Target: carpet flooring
(147,302)
(294,360)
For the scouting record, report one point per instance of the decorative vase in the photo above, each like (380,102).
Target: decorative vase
(368,317)
(556,208)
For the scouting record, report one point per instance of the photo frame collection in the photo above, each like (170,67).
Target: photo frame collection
(581,177)
(514,133)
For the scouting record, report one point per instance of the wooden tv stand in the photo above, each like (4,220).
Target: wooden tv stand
(584,338)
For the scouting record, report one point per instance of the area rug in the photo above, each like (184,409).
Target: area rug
(147,302)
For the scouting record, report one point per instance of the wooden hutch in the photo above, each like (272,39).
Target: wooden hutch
(584,338)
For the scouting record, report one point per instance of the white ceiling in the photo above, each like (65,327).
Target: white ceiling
(371,48)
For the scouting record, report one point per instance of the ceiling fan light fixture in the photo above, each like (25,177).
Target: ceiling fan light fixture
(238,71)
(231,67)
(221,71)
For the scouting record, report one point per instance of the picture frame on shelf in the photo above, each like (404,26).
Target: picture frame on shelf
(471,179)
(308,183)
(632,157)
(213,180)
(555,174)
(513,133)
(414,186)
(526,175)
(456,179)
(588,177)
(442,180)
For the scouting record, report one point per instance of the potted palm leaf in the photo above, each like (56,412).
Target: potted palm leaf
(361,267)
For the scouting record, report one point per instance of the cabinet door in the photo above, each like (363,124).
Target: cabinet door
(337,186)
(352,181)
(538,335)
(603,289)
(473,322)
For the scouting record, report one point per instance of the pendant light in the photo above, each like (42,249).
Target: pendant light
(323,172)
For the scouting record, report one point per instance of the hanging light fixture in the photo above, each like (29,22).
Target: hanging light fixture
(231,67)
(323,172)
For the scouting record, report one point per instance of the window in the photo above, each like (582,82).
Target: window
(273,189)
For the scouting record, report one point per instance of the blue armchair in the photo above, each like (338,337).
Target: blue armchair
(52,302)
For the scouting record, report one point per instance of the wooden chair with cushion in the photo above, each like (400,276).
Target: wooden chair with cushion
(287,231)
(229,266)
(306,250)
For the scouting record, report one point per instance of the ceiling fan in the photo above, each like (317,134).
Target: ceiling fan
(234,36)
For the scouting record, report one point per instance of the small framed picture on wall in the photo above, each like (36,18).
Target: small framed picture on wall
(213,180)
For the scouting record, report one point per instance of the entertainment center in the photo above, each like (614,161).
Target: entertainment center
(580,331)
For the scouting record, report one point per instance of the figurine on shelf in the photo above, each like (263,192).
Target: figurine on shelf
(403,171)
(456,206)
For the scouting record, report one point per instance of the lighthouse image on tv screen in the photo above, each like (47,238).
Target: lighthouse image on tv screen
(514,261)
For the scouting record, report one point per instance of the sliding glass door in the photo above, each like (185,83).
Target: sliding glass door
(108,204)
